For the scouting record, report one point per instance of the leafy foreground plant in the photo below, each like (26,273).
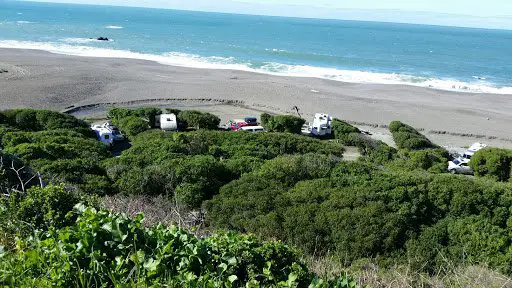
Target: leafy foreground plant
(104,249)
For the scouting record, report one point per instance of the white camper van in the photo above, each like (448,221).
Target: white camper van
(472,150)
(321,126)
(167,122)
(118,136)
(103,134)
(461,164)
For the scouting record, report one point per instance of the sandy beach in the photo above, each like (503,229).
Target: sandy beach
(40,79)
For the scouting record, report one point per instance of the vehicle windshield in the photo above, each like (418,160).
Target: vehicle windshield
(456,162)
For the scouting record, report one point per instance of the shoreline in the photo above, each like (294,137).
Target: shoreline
(193,61)
(40,79)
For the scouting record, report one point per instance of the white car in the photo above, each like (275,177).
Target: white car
(460,166)
(254,129)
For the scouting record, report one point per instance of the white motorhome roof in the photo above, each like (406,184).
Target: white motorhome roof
(474,148)
(171,116)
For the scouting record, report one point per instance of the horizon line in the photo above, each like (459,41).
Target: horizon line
(328,18)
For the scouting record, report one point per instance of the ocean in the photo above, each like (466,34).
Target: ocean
(445,58)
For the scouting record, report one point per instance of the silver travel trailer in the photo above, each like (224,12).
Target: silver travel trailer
(167,122)
(321,126)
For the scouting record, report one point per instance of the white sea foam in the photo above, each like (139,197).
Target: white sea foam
(196,61)
(275,50)
(114,27)
(25,22)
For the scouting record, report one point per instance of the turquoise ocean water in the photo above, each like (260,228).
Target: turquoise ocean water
(459,59)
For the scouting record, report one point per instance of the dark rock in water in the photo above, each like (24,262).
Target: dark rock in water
(102,39)
(3,71)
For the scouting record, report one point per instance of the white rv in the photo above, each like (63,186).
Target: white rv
(167,122)
(472,150)
(118,136)
(461,164)
(103,134)
(320,127)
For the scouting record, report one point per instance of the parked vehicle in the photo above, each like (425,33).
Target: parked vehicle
(116,134)
(321,126)
(252,129)
(251,121)
(167,122)
(103,134)
(460,165)
(237,124)
(472,150)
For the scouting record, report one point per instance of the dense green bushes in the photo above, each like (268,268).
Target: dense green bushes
(355,211)
(392,206)
(283,123)
(132,125)
(492,162)
(61,156)
(265,118)
(148,114)
(38,120)
(199,120)
(407,137)
(431,160)
(23,212)
(196,164)
(109,250)
(345,132)
(130,121)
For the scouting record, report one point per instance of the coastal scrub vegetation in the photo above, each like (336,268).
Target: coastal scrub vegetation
(392,207)
(409,138)
(492,162)
(283,123)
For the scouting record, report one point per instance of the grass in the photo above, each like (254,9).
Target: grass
(370,274)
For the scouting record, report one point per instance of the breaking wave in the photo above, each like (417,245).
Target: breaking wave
(197,61)
(114,27)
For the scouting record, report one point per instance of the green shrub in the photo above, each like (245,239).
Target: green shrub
(341,129)
(432,160)
(43,207)
(148,114)
(60,155)
(265,118)
(132,125)
(243,164)
(105,250)
(492,162)
(409,138)
(37,120)
(285,123)
(199,120)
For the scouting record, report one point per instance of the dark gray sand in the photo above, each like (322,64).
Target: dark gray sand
(41,79)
